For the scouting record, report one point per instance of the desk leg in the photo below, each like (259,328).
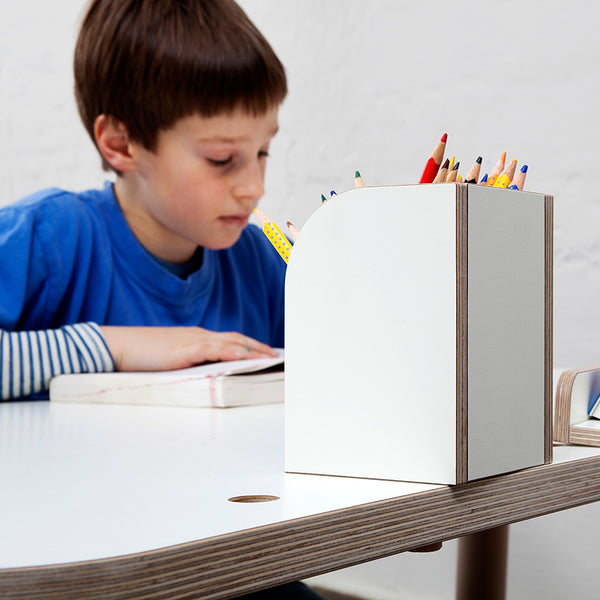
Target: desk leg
(482,559)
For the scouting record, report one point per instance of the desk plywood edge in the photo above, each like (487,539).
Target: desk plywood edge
(548,324)
(266,556)
(462,328)
(562,406)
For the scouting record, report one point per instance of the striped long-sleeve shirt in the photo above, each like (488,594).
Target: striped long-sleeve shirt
(29,359)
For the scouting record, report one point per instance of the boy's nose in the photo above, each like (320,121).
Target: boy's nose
(250,184)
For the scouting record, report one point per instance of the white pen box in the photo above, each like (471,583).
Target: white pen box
(419,334)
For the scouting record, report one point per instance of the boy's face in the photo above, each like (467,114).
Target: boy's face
(200,185)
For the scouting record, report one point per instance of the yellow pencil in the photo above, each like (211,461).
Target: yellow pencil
(507,175)
(274,235)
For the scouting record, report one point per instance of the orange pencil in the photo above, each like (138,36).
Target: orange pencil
(442,173)
(432,166)
(504,179)
(497,170)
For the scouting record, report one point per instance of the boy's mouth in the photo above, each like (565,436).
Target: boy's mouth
(235,220)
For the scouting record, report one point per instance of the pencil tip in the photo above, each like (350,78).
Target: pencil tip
(446,164)
(323,199)
(444,138)
(260,215)
(479,159)
(333,193)
(524,169)
(484,178)
(455,168)
(503,157)
(357,174)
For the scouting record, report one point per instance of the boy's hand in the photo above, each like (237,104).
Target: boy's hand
(166,348)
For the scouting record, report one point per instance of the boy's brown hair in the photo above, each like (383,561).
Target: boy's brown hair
(149,63)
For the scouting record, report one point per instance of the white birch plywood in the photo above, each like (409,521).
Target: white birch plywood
(419,334)
(371,336)
(131,502)
(83,482)
(575,391)
(583,384)
(506,346)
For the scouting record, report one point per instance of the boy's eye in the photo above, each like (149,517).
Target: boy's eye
(220,162)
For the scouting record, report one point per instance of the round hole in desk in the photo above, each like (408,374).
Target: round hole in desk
(253,499)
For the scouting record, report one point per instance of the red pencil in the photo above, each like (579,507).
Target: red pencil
(434,161)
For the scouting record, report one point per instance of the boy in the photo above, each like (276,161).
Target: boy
(159,270)
(150,273)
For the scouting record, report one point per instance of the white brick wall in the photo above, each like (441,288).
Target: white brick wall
(372,87)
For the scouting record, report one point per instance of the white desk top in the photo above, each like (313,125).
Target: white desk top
(82,482)
(132,502)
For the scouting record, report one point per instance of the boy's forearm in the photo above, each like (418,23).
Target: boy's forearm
(29,359)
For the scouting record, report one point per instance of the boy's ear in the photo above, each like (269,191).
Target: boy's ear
(112,139)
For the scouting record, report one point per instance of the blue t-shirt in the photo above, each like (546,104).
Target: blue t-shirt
(70,257)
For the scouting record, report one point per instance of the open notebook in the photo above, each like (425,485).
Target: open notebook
(218,385)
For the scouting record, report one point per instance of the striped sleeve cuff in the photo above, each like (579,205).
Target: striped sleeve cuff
(29,359)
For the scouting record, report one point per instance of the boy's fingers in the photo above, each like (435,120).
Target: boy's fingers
(250,345)
(234,346)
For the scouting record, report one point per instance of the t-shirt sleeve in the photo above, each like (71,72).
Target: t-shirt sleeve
(23,267)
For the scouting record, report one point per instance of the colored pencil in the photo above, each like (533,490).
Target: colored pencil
(519,181)
(323,199)
(293,230)
(504,179)
(432,166)
(497,170)
(473,174)
(441,176)
(483,180)
(274,235)
(451,177)
(358,180)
